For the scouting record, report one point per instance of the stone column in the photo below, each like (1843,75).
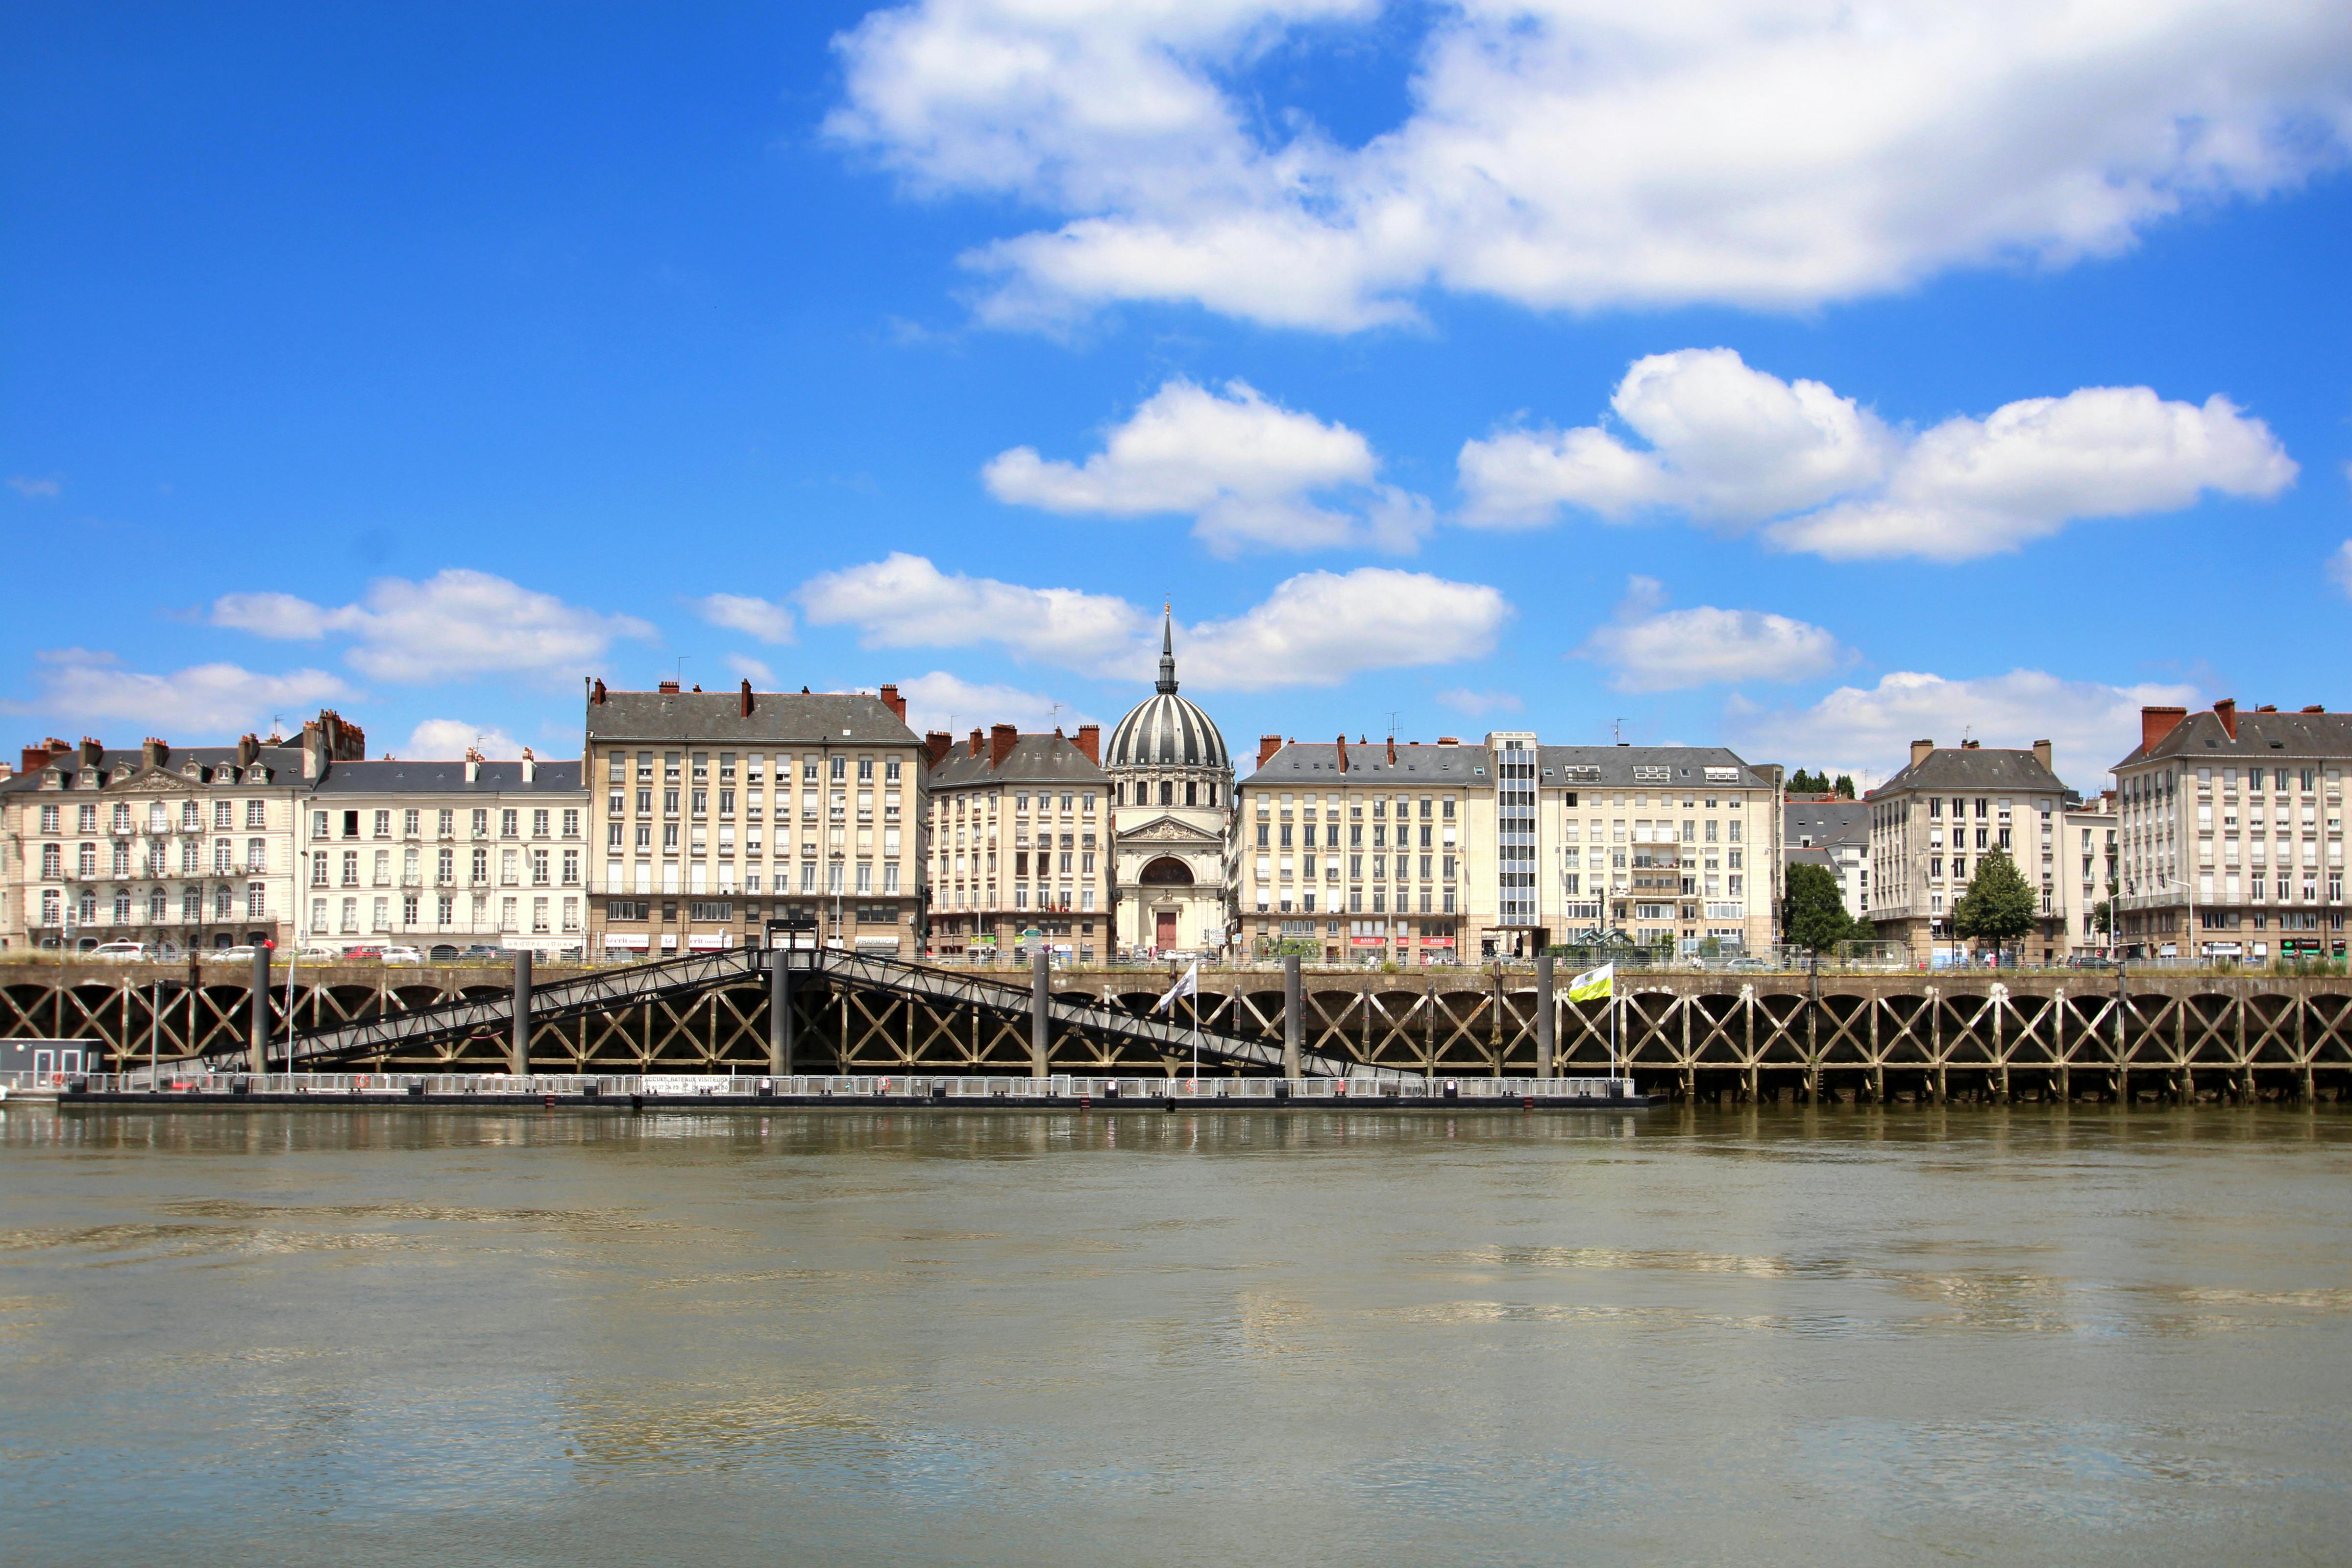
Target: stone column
(1294,1021)
(519,1038)
(1041,1031)
(1547,1020)
(780,1014)
(257,1045)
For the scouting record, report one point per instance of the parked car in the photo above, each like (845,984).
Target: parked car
(479,950)
(407,957)
(362,954)
(120,951)
(316,955)
(231,955)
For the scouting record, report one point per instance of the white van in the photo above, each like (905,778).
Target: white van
(119,953)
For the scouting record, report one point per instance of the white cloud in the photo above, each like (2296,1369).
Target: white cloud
(447,737)
(1314,629)
(1734,446)
(942,701)
(1868,732)
(904,601)
(1247,470)
(1320,628)
(37,489)
(203,699)
(770,623)
(1477,704)
(2339,566)
(1581,153)
(455,625)
(754,670)
(1650,649)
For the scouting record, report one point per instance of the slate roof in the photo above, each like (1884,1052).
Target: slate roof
(1687,767)
(431,777)
(778,719)
(1795,856)
(2259,736)
(1034,759)
(1974,768)
(1825,822)
(115,765)
(1311,762)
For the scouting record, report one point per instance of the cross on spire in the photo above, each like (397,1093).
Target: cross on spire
(1168,649)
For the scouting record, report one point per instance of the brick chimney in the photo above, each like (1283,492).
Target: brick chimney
(1002,739)
(2226,711)
(92,751)
(597,694)
(1920,750)
(152,752)
(744,699)
(1266,746)
(248,750)
(1391,750)
(1342,743)
(667,688)
(2156,723)
(1089,741)
(2314,708)
(529,765)
(893,701)
(976,740)
(2042,755)
(1449,740)
(473,765)
(937,744)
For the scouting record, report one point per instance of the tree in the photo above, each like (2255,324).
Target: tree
(2102,918)
(1802,782)
(1998,906)
(1813,910)
(1845,786)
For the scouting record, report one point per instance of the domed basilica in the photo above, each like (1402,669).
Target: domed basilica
(1172,789)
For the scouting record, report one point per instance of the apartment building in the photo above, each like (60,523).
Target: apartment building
(2232,834)
(179,849)
(1019,835)
(1834,834)
(1932,824)
(713,813)
(445,856)
(2087,857)
(1427,853)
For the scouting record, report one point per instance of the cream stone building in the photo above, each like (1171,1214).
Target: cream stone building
(1172,794)
(1019,835)
(2232,834)
(1932,824)
(178,848)
(713,813)
(445,856)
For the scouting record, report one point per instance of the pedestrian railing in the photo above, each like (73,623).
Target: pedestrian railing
(921,1088)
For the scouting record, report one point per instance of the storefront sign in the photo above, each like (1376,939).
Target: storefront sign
(705,941)
(627,941)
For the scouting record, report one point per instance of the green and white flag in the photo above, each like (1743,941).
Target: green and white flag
(1594,984)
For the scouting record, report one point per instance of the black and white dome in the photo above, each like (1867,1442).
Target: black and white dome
(1165,731)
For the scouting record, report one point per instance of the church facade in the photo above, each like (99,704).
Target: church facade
(1171,788)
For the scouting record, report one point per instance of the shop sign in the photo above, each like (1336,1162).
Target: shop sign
(627,941)
(704,941)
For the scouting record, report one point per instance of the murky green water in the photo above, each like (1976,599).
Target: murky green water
(1149,1338)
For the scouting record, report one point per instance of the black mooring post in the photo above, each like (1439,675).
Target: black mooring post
(1040,999)
(519,1045)
(1294,1024)
(1547,1020)
(780,1014)
(258,1047)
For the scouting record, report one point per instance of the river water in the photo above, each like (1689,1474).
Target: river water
(585,1338)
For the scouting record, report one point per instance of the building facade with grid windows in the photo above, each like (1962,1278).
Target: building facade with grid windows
(1933,825)
(1019,831)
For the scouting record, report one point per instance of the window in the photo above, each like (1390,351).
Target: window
(384,825)
(510,821)
(538,824)
(410,822)
(225,815)
(446,824)
(482,824)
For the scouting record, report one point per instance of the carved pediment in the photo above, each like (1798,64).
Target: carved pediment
(1169,830)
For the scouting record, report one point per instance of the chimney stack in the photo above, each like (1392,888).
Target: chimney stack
(2042,755)
(529,765)
(1920,750)
(893,701)
(2156,723)
(1266,746)
(248,750)
(937,744)
(2314,708)
(1090,741)
(597,694)
(667,688)
(1391,750)
(1449,740)
(976,740)
(152,752)
(744,697)
(473,765)
(1342,743)
(1002,739)
(2226,711)
(92,751)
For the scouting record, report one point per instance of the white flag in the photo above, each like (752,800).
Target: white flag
(1187,984)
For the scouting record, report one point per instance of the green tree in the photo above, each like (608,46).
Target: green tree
(1845,786)
(2102,918)
(1813,910)
(1802,782)
(1997,907)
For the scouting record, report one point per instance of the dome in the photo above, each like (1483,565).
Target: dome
(1165,731)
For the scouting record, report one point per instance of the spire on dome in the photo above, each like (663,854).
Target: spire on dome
(1168,649)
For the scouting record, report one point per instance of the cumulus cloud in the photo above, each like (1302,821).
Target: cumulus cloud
(1572,154)
(753,670)
(1738,448)
(1320,628)
(1248,470)
(1650,649)
(904,601)
(770,623)
(455,625)
(2339,566)
(37,489)
(939,700)
(445,738)
(1868,730)
(1476,704)
(214,699)
(1314,629)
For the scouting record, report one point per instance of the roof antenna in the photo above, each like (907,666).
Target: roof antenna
(1617,730)
(1392,718)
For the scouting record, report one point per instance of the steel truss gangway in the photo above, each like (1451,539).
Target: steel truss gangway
(669,980)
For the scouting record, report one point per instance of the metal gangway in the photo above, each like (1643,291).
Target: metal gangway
(613,990)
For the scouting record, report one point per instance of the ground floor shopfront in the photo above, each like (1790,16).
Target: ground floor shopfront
(672,927)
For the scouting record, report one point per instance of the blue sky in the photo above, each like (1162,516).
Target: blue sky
(1771,379)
